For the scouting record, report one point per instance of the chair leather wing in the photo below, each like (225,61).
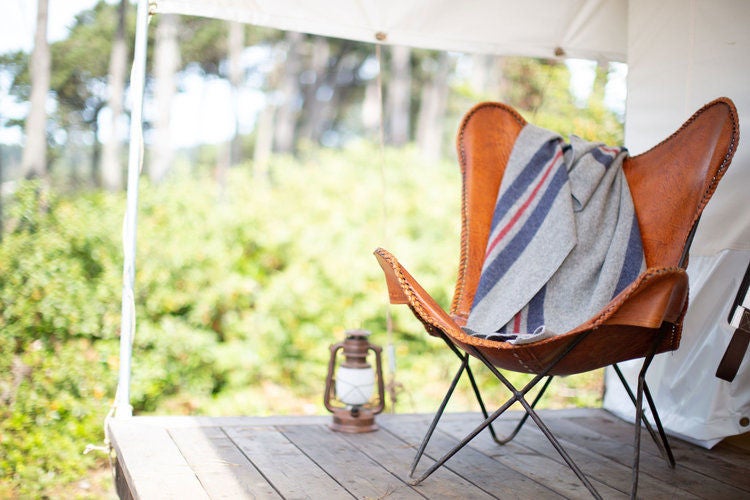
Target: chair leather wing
(672,182)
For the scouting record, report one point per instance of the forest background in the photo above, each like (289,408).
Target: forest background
(255,230)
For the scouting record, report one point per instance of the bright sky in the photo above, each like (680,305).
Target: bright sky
(204,112)
(17,25)
(19,16)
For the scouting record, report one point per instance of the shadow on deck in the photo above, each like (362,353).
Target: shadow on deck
(299,457)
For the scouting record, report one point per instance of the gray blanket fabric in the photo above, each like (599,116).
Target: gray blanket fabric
(564,239)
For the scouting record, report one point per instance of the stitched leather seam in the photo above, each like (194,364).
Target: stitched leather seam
(425,319)
(518,358)
(414,302)
(694,117)
(613,306)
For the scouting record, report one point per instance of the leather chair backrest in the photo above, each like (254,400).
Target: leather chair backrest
(670,184)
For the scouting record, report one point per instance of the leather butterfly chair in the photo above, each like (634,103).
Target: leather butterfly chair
(670,185)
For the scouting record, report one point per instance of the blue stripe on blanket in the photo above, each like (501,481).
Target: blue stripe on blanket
(537,163)
(631,266)
(508,255)
(535,318)
(602,157)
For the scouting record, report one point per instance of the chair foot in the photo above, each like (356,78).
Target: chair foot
(662,443)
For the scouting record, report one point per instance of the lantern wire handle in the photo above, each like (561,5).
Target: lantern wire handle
(392,387)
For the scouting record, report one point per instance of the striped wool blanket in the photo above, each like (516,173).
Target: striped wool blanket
(564,239)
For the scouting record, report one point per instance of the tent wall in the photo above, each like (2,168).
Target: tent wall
(682,54)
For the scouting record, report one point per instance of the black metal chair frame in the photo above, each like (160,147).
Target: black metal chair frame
(519,395)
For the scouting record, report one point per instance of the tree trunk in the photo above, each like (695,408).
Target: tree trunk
(263,142)
(96,150)
(286,116)
(599,88)
(432,110)
(484,78)
(166,63)
(111,167)
(265,122)
(34,161)
(398,98)
(317,93)
(371,108)
(236,44)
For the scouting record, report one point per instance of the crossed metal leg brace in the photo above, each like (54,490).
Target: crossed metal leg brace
(519,396)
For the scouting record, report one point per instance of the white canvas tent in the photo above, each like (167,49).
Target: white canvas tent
(680,55)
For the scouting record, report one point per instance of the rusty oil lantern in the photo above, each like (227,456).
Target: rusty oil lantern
(350,384)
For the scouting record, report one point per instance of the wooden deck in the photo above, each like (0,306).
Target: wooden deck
(299,457)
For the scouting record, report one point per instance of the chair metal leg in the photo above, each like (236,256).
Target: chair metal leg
(661,441)
(478,395)
(657,421)
(517,395)
(436,419)
(464,357)
(639,417)
(473,383)
(637,437)
(482,406)
(464,441)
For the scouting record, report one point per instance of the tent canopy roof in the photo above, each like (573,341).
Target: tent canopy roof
(587,29)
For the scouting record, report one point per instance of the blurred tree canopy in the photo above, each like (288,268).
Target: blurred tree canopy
(314,90)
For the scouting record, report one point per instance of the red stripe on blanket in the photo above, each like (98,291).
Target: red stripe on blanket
(505,230)
(517,323)
(610,149)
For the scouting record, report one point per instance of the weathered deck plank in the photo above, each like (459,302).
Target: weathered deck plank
(300,457)
(473,465)
(397,456)
(682,477)
(611,478)
(286,467)
(156,468)
(219,465)
(362,476)
(530,460)
(724,462)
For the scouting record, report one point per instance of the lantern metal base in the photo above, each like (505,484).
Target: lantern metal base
(353,421)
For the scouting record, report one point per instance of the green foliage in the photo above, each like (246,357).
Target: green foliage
(60,272)
(540,90)
(239,292)
(553,105)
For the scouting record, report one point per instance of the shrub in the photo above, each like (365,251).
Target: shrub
(239,293)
